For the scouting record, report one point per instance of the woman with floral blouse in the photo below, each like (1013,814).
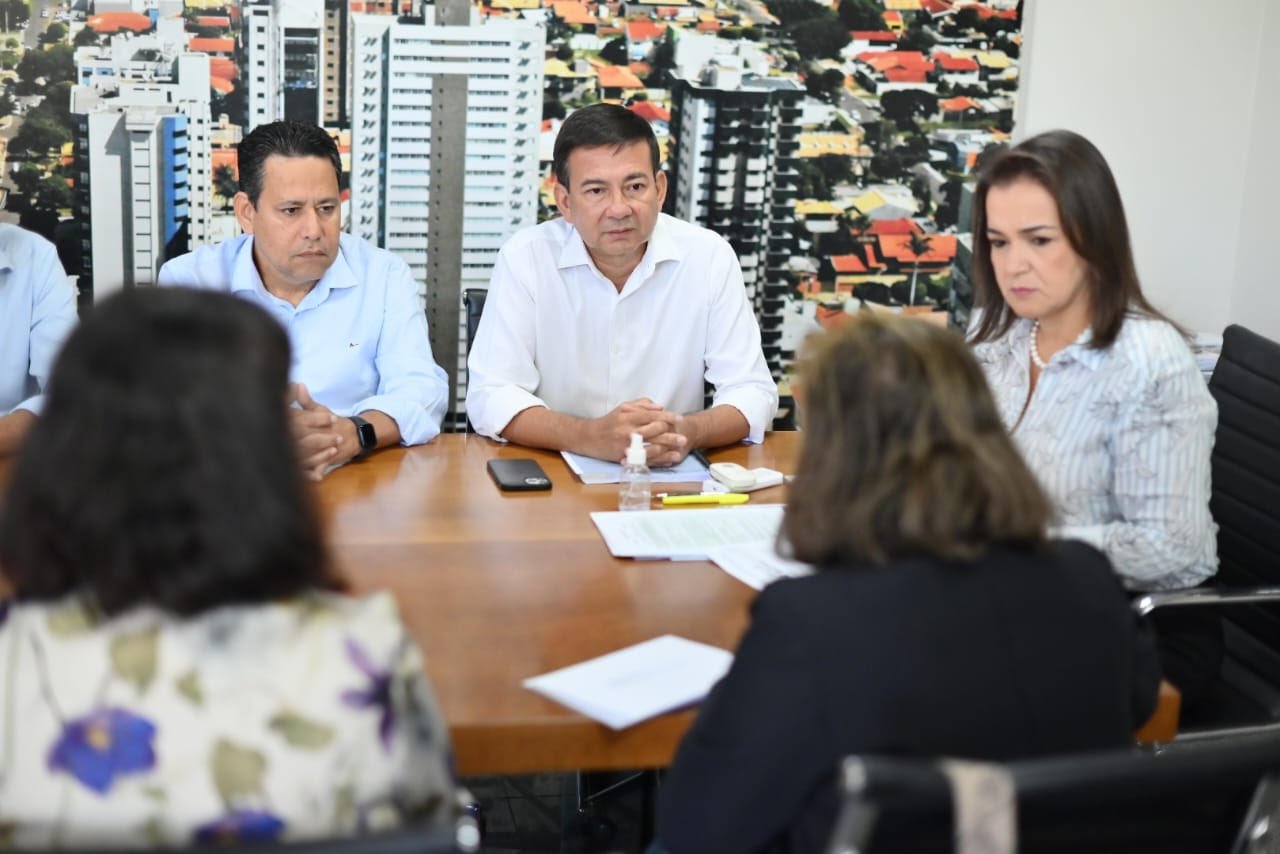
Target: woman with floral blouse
(178,662)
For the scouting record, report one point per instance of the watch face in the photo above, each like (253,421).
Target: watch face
(365,434)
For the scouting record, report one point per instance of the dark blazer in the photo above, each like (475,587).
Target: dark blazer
(1016,654)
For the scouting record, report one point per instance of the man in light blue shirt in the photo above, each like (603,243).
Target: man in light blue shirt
(362,365)
(37,311)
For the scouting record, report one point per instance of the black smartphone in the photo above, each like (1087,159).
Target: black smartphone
(521,475)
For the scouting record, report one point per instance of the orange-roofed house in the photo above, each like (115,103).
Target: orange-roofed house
(115,22)
(894,226)
(213,47)
(957,70)
(708,27)
(652,113)
(869,41)
(214,21)
(879,71)
(640,69)
(575,14)
(958,109)
(617,82)
(642,37)
(222,84)
(220,66)
(893,21)
(896,249)
(848,271)
(937,8)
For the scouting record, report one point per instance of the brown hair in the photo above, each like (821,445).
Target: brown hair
(1075,174)
(904,452)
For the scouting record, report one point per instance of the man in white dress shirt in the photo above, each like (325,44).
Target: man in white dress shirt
(611,319)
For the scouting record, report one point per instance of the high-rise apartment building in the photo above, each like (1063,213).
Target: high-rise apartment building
(393,66)
(398,66)
(142,156)
(283,44)
(733,170)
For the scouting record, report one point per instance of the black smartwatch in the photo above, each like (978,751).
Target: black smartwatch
(365,435)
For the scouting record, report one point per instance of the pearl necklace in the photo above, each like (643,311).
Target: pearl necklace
(1035,350)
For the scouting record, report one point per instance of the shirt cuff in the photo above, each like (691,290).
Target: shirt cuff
(756,406)
(33,404)
(500,405)
(412,418)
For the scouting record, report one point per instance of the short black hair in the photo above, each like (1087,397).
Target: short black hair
(162,471)
(287,139)
(601,125)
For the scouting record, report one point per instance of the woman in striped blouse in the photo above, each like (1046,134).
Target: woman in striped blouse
(1100,390)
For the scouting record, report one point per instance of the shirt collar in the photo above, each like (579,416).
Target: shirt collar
(1019,343)
(662,246)
(247,278)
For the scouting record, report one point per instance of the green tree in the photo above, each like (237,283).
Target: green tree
(825,85)
(7,103)
(812,184)
(564,53)
(225,184)
(904,105)
(887,165)
(916,38)
(38,135)
(822,37)
(919,245)
(56,33)
(552,108)
(862,14)
(86,37)
(615,51)
(835,169)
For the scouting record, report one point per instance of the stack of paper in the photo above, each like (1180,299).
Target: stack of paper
(591,470)
(757,564)
(636,683)
(686,534)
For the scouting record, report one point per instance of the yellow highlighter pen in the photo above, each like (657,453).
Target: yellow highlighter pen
(707,498)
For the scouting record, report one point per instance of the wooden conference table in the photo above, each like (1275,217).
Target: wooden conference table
(497,587)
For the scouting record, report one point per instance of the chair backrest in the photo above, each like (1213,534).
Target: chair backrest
(473,299)
(1203,796)
(1246,473)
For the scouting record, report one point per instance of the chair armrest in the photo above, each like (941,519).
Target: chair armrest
(1149,602)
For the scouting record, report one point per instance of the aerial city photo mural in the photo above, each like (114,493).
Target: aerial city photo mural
(830,143)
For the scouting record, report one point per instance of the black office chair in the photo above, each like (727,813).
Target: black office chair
(1211,796)
(473,301)
(1245,503)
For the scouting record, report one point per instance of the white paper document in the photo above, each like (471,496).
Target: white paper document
(636,683)
(756,564)
(688,534)
(591,470)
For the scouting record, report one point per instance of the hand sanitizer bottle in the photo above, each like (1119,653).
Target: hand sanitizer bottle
(633,489)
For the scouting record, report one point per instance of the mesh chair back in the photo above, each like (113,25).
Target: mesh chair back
(1202,796)
(1246,474)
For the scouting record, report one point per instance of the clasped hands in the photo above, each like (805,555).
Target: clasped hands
(666,434)
(323,439)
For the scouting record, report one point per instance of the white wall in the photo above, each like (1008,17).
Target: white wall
(1181,100)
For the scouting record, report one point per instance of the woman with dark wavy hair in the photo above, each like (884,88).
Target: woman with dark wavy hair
(177,662)
(1099,389)
(939,620)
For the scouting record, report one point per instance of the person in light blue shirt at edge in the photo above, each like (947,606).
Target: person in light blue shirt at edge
(363,372)
(37,311)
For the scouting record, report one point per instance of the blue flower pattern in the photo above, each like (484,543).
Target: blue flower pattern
(103,745)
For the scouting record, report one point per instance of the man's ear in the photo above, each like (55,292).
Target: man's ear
(660,184)
(245,211)
(562,201)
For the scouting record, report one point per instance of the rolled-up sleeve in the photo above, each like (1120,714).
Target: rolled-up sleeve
(53,315)
(501,372)
(412,389)
(734,359)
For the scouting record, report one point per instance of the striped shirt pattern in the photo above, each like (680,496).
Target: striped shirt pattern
(1120,440)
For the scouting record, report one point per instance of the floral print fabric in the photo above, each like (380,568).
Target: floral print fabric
(301,719)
